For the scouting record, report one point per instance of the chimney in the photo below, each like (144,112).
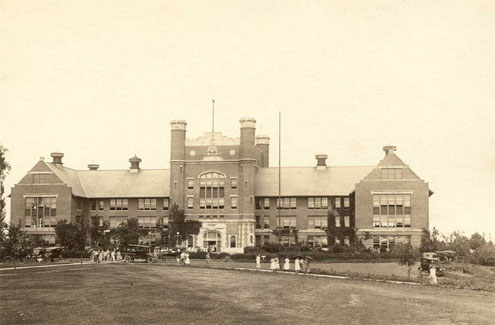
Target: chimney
(134,164)
(93,166)
(321,161)
(389,149)
(57,158)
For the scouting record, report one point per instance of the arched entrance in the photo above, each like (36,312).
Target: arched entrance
(213,241)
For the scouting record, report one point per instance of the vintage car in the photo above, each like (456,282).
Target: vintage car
(138,252)
(427,262)
(47,254)
(446,255)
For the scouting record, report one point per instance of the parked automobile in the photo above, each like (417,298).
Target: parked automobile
(446,255)
(138,252)
(47,254)
(427,262)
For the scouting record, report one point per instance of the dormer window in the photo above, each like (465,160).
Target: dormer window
(40,178)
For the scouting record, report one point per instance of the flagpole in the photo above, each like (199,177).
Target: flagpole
(213,117)
(279,169)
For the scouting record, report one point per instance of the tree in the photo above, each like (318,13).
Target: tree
(459,243)
(127,233)
(179,224)
(71,236)
(476,241)
(331,229)
(4,170)
(16,242)
(407,256)
(98,232)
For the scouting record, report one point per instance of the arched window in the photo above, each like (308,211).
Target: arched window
(211,190)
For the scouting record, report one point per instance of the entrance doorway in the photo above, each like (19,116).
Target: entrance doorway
(212,241)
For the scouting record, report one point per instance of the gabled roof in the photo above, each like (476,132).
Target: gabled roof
(114,183)
(122,183)
(305,181)
(68,176)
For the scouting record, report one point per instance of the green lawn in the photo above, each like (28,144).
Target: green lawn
(160,294)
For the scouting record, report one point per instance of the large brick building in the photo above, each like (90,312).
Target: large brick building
(226,184)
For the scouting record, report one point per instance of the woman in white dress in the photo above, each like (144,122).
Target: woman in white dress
(287,264)
(187,260)
(297,266)
(272,264)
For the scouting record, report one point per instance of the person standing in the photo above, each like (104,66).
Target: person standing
(258,262)
(100,256)
(297,266)
(119,256)
(272,264)
(177,258)
(112,255)
(287,264)
(433,275)
(187,261)
(207,257)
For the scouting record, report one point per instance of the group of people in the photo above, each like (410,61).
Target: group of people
(183,259)
(105,256)
(301,264)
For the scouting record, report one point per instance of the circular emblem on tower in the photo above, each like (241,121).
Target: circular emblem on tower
(192,153)
(232,152)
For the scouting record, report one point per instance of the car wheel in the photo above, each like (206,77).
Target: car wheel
(150,260)
(127,259)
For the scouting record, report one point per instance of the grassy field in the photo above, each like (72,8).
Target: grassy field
(158,294)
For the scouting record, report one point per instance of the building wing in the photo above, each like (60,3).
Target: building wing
(310,181)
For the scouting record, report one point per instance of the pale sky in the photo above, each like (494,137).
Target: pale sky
(101,80)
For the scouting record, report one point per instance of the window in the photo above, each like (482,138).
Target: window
(165,204)
(337,202)
(245,185)
(211,191)
(40,178)
(266,203)
(181,169)
(287,221)
(97,222)
(287,203)
(347,241)
(266,222)
(79,203)
(233,202)
(386,243)
(190,202)
(391,173)
(116,221)
(232,241)
(147,222)
(258,203)
(40,212)
(119,204)
(317,203)
(337,222)
(392,210)
(347,221)
(146,204)
(101,204)
(258,222)
(233,182)
(93,205)
(258,241)
(337,240)
(175,185)
(266,239)
(317,241)
(346,202)
(317,222)
(190,183)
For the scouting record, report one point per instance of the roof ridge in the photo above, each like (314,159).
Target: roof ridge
(346,166)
